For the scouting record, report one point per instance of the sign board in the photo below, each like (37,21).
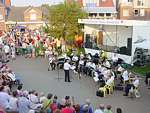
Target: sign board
(114,22)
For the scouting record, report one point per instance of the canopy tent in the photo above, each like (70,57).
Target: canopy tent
(143,45)
(20,27)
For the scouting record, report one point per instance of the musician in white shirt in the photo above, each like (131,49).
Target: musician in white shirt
(125,76)
(110,80)
(67,67)
(136,82)
(52,60)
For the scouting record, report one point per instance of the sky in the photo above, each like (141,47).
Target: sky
(33,2)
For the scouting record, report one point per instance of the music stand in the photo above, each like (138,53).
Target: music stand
(58,75)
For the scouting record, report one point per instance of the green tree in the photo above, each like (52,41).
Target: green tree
(63,20)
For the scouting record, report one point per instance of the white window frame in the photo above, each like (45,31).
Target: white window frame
(33,17)
(142,12)
(125,12)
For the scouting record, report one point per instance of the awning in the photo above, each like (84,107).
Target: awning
(144,45)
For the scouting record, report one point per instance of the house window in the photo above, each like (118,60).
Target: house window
(140,3)
(142,12)
(92,14)
(125,12)
(130,0)
(108,14)
(101,14)
(32,16)
(136,12)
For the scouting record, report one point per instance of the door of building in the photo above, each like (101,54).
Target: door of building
(100,38)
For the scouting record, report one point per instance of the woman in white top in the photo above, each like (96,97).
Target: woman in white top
(13,101)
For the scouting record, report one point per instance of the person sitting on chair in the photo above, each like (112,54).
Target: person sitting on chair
(52,60)
(125,76)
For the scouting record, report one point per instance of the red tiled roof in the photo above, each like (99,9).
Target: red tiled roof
(106,3)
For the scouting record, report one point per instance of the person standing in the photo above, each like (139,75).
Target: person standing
(13,52)
(24,105)
(68,108)
(67,67)
(100,109)
(86,107)
(6,51)
(118,110)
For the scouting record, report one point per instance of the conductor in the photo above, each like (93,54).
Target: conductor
(67,67)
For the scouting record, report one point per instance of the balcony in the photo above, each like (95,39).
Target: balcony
(126,4)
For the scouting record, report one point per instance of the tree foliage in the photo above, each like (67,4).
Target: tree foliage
(63,20)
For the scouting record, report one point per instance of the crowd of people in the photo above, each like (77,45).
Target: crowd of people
(103,70)
(23,101)
(30,43)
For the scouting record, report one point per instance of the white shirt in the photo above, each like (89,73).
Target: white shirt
(110,81)
(81,62)
(51,59)
(6,49)
(81,55)
(98,111)
(33,98)
(75,58)
(42,99)
(93,65)
(4,99)
(1,40)
(67,66)
(13,103)
(88,64)
(103,69)
(24,45)
(120,69)
(136,82)
(114,58)
(107,64)
(125,76)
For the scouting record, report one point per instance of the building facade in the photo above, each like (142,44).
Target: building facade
(99,9)
(4,12)
(134,9)
(32,14)
(30,17)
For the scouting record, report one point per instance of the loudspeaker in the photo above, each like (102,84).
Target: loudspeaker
(123,50)
(128,51)
(129,43)
(87,38)
(129,46)
(88,43)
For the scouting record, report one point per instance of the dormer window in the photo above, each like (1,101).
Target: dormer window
(33,17)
